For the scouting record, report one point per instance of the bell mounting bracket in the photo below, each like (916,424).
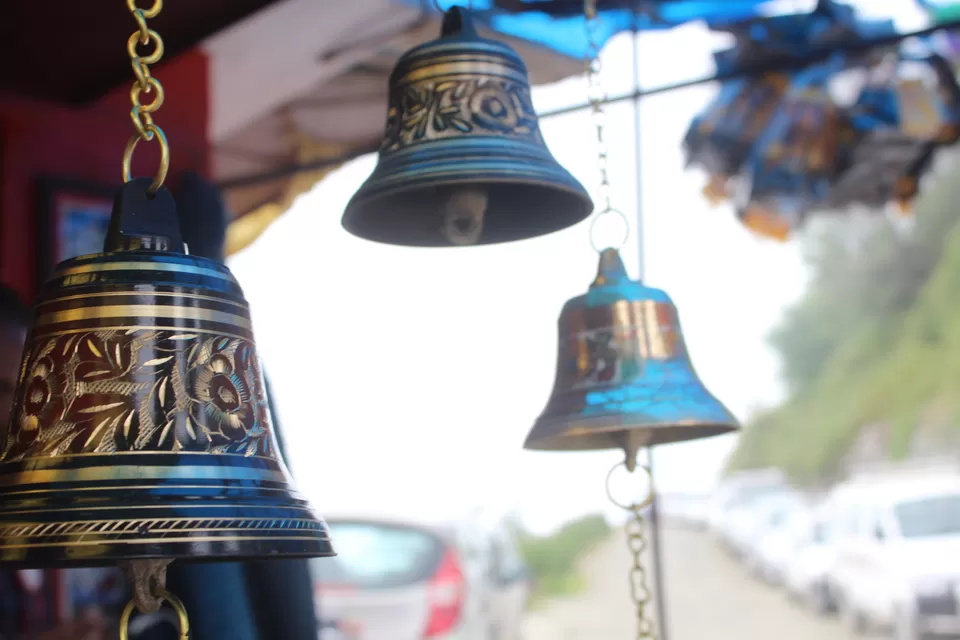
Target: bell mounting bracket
(143,221)
(457,22)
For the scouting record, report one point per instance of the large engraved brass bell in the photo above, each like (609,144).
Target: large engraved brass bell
(141,428)
(462,160)
(624,379)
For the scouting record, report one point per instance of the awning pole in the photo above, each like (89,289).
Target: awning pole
(767,65)
(656,528)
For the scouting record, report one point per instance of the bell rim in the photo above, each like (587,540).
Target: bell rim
(353,213)
(143,255)
(269,552)
(361,199)
(98,509)
(561,430)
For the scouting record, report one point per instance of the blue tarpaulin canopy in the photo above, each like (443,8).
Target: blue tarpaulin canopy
(559,24)
(772,36)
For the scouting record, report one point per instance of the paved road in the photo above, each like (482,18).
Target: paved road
(709,597)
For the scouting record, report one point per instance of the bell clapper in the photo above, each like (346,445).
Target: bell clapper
(149,584)
(463,212)
(633,440)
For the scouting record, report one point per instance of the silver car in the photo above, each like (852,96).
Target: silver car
(510,584)
(396,579)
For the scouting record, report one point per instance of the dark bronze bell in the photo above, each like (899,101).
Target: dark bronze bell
(141,428)
(462,160)
(624,379)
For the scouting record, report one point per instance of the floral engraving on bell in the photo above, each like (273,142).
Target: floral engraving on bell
(139,390)
(434,110)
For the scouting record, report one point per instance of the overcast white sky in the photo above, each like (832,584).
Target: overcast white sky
(407,379)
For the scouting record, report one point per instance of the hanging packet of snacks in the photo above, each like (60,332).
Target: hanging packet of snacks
(795,160)
(929,99)
(795,35)
(906,112)
(721,138)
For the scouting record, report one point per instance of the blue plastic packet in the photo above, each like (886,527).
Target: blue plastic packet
(794,162)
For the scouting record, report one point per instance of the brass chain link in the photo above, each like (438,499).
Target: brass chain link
(142,114)
(639,591)
(636,531)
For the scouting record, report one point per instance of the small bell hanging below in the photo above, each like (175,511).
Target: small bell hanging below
(624,379)
(463,161)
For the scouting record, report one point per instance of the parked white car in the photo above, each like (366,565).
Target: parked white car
(735,491)
(403,579)
(787,518)
(763,538)
(811,561)
(898,560)
(510,584)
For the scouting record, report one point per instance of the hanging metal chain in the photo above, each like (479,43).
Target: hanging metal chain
(598,96)
(142,114)
(639,591)
(637,544)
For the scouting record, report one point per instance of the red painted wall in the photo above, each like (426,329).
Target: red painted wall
(38,140)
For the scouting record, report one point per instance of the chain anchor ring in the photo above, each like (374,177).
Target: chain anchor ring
(635,528)
(149,579)
(599,247)
(164,596)
(140,113)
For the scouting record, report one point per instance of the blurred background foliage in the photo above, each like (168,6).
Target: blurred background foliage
(874,340)
(553,559)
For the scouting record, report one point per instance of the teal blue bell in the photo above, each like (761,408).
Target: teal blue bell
(624,378)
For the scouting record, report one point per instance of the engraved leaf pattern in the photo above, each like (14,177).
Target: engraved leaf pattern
(139,390)
(489,106)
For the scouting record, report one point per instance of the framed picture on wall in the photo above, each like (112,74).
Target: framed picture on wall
(74,217)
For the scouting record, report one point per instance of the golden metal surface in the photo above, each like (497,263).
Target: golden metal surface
(461,107)
(142,114)
(153,132)
(77,392)
(117,471)
(141,311)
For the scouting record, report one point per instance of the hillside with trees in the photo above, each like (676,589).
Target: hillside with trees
(874,341)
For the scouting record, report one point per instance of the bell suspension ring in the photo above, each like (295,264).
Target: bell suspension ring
(635,528)
(142,114)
